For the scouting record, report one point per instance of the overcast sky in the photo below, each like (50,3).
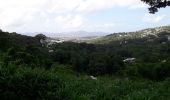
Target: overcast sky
(78,15)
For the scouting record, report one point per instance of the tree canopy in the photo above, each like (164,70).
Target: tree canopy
(156,4)
(40,36)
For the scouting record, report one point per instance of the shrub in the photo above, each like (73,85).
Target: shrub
(28,84)
(153,71)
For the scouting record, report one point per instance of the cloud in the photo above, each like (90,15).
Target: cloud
(150,18)
(105,25)
(70,21)
(138,6)
(61,6)
(97,5)
(54,15)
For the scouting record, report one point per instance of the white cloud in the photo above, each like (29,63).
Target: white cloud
(97,5)
(62,18)
(54,15)
(70,21)
(105,25)
(61,6)
(138,5)
(150,18)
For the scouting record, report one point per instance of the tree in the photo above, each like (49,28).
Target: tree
(40,36)
(156,4)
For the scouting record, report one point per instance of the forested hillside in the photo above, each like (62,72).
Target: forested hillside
(123,69)
(148,34)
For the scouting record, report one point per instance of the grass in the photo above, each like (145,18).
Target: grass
(61,83)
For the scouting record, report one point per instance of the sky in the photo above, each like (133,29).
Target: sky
(78,15)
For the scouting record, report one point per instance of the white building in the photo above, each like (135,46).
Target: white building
(129,60)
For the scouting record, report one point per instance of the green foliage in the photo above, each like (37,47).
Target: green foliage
(29,72)
(4,41)
(60,83)
(8,40)
(28,84)
(156,72)
(32,56)
(61,56)
(88,59)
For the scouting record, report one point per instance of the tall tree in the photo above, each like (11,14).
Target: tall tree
(156,4)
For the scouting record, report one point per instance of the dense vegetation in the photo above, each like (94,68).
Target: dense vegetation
(28,71)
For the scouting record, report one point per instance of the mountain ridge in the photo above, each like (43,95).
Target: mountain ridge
(145,33)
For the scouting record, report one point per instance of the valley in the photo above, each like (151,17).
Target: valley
(120,66)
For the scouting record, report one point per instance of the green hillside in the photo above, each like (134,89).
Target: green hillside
(146,33)
(123,69)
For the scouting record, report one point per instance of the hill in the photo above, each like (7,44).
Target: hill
(134,68)
(148,34)
(13,39)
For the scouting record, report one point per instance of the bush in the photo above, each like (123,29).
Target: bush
(28,84)
(33,57)
(98,64)
(153,71)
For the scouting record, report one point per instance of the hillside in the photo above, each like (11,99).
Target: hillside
(148,34)
(40,68)
(13,39)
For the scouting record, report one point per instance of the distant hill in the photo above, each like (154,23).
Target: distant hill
(75,34)
(148,34)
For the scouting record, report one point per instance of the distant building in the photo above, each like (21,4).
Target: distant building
(93,78)
(129,60)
